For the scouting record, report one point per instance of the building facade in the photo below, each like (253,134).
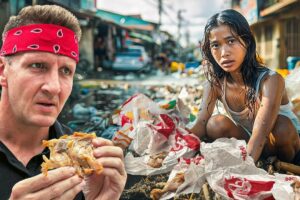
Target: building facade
(276,26)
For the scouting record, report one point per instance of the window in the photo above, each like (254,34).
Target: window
(292,36)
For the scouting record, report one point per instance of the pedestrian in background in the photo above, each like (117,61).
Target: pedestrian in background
(254,97)
(162,63)
(37,65)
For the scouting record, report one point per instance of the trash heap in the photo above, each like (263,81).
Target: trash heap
(156,143)
(164,160)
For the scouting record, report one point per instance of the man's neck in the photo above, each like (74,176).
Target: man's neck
(24,143)
(24,140)
(26,137)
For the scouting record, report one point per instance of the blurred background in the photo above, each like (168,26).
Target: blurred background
(169,31)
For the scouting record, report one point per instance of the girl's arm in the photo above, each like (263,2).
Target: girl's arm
(206,109)
(272,90)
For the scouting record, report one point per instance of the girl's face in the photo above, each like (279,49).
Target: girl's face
(226,48)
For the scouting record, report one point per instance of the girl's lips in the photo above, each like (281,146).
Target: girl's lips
(227,63)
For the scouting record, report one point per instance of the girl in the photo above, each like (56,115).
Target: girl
(257,105)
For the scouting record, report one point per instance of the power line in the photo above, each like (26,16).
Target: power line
(161,9)
(149,2)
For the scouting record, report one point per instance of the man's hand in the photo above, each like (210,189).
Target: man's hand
(61,183)
(111,182)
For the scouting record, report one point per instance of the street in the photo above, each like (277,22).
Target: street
(94,100)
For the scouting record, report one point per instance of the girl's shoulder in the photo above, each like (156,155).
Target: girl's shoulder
(264,72)
(272,77)
(268,72)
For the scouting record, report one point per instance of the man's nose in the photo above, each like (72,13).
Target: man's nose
(52,83)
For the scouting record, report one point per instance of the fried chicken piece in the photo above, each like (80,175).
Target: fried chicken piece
(156,160)
(296,189)
(170,186)
(72,150)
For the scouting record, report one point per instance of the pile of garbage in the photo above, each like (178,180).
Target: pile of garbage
(164,160)
(156,143)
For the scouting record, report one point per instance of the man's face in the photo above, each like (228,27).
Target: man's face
(38,85)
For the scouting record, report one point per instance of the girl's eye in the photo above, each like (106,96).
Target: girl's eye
(214,46)
(231,41)
(66,71)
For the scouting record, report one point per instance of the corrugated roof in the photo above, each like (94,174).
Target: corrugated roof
(125,21)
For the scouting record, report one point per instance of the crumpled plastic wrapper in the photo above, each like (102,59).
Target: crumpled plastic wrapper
(232,173)
(179,144)
(194,176)
(284,188)
(147,130)
(224,153)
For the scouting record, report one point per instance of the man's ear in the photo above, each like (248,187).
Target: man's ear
(3,64)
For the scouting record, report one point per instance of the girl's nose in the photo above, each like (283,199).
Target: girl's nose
(225,50)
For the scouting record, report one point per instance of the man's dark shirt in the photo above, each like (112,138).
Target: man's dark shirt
(13,171)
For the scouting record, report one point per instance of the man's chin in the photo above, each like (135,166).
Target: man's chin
(44,121)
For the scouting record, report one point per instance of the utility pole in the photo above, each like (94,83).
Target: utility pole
(187,37)
(180,19)
(160,9)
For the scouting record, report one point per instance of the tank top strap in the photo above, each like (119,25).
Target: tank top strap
(260,77)
(223,98)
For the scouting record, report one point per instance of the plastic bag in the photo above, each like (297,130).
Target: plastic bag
(292,84)
(194,176)
(231,172)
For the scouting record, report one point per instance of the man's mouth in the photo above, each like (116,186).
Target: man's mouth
(46,107)
(47,104)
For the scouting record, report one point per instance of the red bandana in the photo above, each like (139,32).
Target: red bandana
(41,37)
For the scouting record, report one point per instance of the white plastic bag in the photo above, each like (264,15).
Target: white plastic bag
(282,189)
(292,84)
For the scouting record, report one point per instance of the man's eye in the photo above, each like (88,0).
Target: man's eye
(37,65)
(66,71)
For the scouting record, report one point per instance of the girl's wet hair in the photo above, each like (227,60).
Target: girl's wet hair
(250,66)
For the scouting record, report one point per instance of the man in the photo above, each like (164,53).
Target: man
(37,64)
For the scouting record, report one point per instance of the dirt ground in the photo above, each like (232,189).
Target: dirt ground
(139,187)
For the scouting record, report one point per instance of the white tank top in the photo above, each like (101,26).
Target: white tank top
(246,117)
